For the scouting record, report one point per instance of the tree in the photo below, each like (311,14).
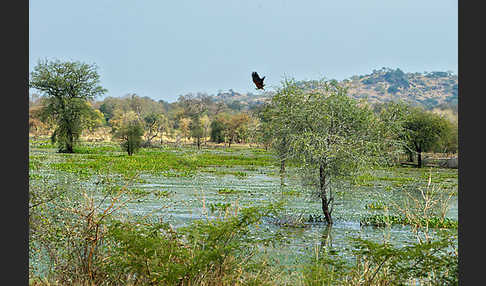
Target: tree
(328,133)
(184,124)
(154,124)
(129,130)
(235,126)
(423,130)
(217,129)
(197,130)
(276,128)
(67,88)
(393,115)
(206,125)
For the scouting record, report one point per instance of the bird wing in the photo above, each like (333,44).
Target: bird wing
(256,78)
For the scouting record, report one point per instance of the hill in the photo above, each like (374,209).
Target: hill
(429,89)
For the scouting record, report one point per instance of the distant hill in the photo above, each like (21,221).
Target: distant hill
(429,89)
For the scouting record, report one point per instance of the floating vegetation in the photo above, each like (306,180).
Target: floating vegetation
(162,193)
(213,207)
(226,191)
(292,193)
(384,220)
(379,205)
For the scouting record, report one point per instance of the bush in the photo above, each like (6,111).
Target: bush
(208,252)
(130,135)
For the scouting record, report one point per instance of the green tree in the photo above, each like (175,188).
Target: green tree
(393,115)
(424,130)
(276,128)
(129,131)
(154,124)
(217,128)
(235,127)
(67,87)
(329,133)
(196,129)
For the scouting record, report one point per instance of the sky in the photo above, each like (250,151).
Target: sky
(164,49)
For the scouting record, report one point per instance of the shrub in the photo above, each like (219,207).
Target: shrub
(208,252)
(130,135)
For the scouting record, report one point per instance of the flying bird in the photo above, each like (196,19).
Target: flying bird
(257,80)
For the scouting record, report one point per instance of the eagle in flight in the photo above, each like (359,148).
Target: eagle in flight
(257,80)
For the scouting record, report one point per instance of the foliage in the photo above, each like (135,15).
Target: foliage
(330,134)
(217,134)
(384,220)
(197,129)
(67,231)
(434,262)
(67,88)
(154,124)
(130,133)
(208,252)
(423,130)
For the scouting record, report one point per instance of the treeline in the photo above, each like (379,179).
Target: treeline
(196,118)
(199,118)
(193,118)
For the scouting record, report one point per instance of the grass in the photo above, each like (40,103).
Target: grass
(379,205)
(106,158)
(161,161)
(292,193)
(227,191)
(383,220)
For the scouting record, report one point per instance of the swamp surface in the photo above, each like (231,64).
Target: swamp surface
(182,184)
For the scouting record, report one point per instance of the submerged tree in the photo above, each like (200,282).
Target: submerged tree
(67,88)
(329,133)
(276,127)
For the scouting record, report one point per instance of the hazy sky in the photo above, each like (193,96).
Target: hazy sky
(163,49)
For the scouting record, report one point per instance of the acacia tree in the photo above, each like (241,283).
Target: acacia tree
(276,128)
(423,130)
(328,133)
(67,87)
(394,115)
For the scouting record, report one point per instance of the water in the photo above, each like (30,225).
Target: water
(189,198)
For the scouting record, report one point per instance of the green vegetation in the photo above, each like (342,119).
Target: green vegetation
(130,132)
(384,220)
(423,130)
(326,132)
(197,200)
(225,191)
(376,206)
(223,247)
(67,88)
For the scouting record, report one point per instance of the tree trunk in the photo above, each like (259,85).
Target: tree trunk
(70,142)
(410,156)
(324,200)
(198,143)
(419,159)
(282,172)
